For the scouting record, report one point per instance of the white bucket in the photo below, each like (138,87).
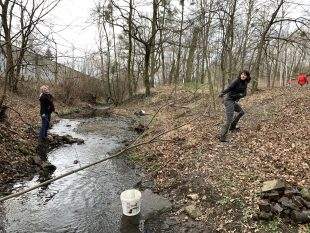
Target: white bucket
(131,202)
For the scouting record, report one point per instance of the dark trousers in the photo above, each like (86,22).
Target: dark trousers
(44,126)
(231,121)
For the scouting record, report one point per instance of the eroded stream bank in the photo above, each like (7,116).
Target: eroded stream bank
(87,201)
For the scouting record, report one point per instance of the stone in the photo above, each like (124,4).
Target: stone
(306,204)
(273,185)
(140,113)
(37,160)
(75,161)
(263,216)
(193,211)
(305,193)
(193,196)
(286,202)
(140,128)
(80,141)
(48,167)
(298,201)
(276,208)
(152,204)
(264,205)
(302,217)
(290,192)
(271,195)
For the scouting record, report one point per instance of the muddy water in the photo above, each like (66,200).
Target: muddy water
(87,201)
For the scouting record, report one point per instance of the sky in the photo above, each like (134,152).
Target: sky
(74,30)
(72,23)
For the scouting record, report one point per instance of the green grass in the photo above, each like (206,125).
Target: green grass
(134,158)
(271,226)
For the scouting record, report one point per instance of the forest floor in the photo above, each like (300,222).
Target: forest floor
(223,180)
(186,160)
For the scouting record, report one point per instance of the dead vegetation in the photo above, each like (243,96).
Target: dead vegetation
(273,143)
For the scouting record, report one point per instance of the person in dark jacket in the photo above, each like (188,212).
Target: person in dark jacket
(46,109)
(233,93)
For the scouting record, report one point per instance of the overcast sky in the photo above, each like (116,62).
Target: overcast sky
(71,21)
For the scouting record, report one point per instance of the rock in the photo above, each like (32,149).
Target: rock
(286,202)
(305,193)
(193,211)
(48,167)
(264,205)
(298,201)
(75,161)
(306,203)
(68,139)
(302,217)
(37,160)
(272,195)
(193,196)
(273,185)
(262,216)
(152,204)
(140,128)
(80,141)
(276,209)
(290,192)
(140,113)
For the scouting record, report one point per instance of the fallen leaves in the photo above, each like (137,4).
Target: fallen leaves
(273,143)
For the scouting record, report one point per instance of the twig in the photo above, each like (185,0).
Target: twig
(132,146)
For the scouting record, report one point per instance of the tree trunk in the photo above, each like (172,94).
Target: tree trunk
(129,70)
(177,70)
(162,50)
(260,48)
(9,67)
(146,70)
(246,33)
(109,61)
(191,53)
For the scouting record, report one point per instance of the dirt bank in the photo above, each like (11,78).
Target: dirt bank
(224,178)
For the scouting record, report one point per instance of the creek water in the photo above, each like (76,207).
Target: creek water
(87,201)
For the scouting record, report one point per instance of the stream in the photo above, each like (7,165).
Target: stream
(87,201)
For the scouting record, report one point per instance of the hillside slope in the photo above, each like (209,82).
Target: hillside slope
(273,143)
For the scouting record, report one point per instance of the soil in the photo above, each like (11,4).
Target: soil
(227,177)
(273,144)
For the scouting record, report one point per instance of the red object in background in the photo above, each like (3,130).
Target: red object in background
(302,79)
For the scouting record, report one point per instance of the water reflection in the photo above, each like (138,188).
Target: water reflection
(87,201)
(132,224)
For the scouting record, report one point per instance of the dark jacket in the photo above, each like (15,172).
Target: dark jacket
(236,89)
(46,104)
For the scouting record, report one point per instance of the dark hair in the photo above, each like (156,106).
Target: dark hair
(247,73)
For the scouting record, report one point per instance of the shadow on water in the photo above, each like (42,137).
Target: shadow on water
(131,224)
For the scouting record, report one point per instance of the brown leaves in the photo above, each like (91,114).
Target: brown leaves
(273,143)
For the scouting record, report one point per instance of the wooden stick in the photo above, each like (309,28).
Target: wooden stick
(153,139)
